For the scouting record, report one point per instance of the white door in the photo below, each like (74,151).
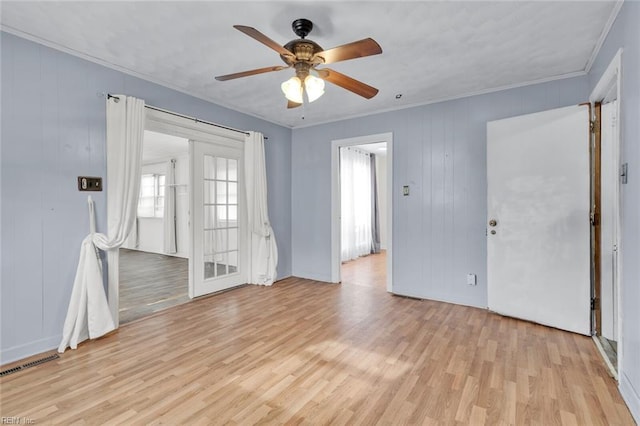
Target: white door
(538,195)
(218,219)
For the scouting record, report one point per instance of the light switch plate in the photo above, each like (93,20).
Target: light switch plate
(89,183)
(405,190)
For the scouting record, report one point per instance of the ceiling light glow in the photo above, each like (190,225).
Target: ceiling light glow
(292,89)
(314,87)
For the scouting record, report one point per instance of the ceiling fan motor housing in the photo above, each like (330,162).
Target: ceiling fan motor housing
(304,50)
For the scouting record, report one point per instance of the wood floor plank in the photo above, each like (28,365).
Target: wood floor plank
(303,352)
(150,282)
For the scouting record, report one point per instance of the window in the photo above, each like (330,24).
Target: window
(151,201)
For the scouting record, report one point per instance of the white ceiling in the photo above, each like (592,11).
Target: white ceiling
(161,147)
(431,50)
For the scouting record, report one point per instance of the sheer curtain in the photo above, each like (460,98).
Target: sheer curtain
(89,314)
(169,214)
(355,190)
(375,208)
(263,251)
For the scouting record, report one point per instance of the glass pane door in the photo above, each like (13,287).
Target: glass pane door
(220,212)
(218,207)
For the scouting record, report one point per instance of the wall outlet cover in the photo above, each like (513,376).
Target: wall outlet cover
(471,279)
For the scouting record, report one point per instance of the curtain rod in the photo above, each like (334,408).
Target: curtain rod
(197,120)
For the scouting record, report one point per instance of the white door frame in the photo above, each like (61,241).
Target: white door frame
(610,83)
(336,207)
(161,121)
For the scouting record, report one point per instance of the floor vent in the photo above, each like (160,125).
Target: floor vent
(9,371)
(29,364)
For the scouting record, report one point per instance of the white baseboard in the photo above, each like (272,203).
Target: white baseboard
(312,276)
(283,277)
(33,348)
(630,396)
(436,299)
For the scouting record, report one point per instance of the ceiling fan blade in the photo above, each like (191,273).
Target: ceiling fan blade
(291,104)
(346,82)
(248,73)
(356,49)
(257,35)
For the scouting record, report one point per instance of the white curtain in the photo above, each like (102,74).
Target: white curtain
(375,210)
(263,251)
(132,239)
(89,314)
(355,194)
(169,216)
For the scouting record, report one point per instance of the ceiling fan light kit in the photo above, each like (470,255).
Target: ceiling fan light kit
(304,56)
(293,88)
(314,87)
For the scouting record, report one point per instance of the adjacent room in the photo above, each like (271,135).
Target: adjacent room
(389,212)
(363,214)
(154,271)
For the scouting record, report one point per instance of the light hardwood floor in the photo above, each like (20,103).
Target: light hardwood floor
(304,352)
(150,282)
(368,271)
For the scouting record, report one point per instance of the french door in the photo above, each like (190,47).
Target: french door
(219,217)
(538,234)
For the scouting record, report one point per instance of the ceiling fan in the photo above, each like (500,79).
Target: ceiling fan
(304,56)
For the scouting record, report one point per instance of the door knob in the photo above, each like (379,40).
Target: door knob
(493,222)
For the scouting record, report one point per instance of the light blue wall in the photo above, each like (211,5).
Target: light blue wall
(625,34)
(439,150)
(53,130)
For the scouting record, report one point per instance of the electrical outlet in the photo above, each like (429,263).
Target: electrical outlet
(472,279)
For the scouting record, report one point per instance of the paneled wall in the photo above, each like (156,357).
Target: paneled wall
(53,130)
(625,34)
(439,150)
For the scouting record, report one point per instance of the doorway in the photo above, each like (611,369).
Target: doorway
(154,260)
(606,327)
(362,170)
(169,123)
(607,180)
